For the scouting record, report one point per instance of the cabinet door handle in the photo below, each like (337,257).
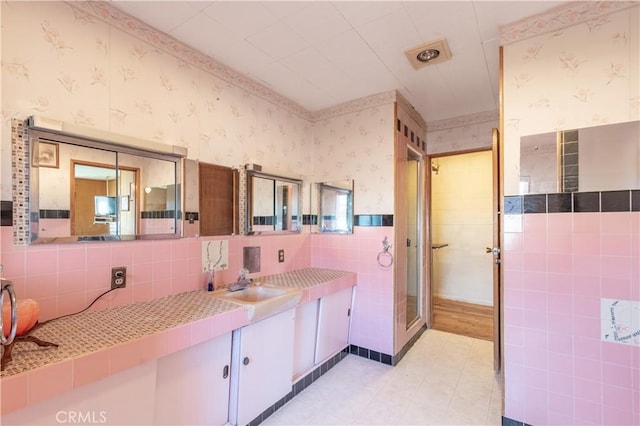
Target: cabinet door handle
(246,360)
(225,372)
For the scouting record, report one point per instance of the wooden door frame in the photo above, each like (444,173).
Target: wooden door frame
(496,214)
(72,184)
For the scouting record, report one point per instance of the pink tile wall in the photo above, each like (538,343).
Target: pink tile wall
(556,269)
(372,320)
(157,226)
(65,278)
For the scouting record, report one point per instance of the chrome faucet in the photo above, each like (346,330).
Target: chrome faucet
(242,282)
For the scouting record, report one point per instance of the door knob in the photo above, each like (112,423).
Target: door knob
(494,250)
(246,360)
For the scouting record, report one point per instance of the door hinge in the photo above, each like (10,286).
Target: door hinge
(349,312)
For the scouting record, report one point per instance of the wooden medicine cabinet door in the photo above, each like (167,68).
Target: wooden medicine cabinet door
(218,199)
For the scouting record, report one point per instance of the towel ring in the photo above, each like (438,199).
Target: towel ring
(385,259)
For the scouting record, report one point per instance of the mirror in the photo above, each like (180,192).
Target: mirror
(274,204)
(87,189)
(601,158)
(336,206)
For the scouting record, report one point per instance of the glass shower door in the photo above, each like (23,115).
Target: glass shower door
(414,237)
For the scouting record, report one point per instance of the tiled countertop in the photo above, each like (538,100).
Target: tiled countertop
(92,331)
(94,345)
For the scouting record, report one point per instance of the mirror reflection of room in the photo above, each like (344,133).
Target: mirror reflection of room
(89,189)
(336,205)
(600,158)
(274,204)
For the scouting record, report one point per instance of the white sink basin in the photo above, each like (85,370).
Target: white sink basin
(261,301)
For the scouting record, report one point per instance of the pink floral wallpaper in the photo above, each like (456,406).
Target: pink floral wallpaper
(461,133)
(76,68)
(359,146)
(581,76)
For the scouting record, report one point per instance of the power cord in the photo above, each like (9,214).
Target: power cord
(79,312)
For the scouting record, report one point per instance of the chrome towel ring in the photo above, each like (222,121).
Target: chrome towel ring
(385,258)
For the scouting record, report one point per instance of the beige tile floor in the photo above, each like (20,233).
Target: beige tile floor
(445,379)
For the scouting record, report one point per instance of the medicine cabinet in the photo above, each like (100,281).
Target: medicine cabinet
(273,204)
(86,185)
(218,199)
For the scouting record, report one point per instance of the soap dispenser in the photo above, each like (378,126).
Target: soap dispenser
(211,269)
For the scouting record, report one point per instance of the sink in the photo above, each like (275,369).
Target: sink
(261,301)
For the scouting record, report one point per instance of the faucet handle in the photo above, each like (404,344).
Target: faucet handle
(243,274)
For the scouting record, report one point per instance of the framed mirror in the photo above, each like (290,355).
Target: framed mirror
(600,158)
(274,204)
(336,206)
(88,188)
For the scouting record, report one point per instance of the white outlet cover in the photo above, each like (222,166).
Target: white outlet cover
(215,253)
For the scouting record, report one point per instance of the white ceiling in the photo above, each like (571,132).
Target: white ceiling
(320,53)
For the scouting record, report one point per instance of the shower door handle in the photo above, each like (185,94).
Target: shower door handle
(408,242)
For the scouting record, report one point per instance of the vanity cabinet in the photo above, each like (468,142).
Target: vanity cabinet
(305,338)
(334,314)
(103,402)
(262,366)
(192,385)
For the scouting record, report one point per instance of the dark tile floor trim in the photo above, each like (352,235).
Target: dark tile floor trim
(371,354)
(398,357)
(506,421)
(301,385)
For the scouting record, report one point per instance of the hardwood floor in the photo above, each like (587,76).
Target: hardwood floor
(463,318)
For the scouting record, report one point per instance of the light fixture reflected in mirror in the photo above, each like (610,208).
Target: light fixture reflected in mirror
(435,167)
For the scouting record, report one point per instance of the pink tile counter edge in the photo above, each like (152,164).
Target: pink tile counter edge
(98,344)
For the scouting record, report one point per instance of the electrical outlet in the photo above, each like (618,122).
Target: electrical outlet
(280,256)
(118,277)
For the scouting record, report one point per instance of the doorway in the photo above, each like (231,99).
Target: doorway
(103,201)
(462,231)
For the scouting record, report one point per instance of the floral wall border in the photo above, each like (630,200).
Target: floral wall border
(90,10)
(559,18)
(463,121)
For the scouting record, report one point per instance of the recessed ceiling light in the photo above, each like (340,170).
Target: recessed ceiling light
(428,53)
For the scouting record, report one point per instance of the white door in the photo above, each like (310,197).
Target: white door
(305,338)
(193,384)
(333,324)
(262,363)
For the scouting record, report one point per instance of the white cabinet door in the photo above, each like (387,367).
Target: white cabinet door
(305,338)
(192,386)
(262,366)
(126,398)
(333,324)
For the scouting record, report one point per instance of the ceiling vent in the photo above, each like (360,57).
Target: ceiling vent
(431,52)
